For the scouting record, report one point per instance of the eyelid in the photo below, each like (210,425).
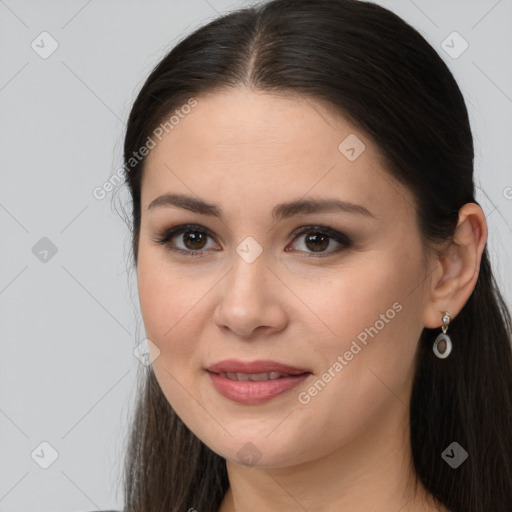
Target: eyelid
(326,230)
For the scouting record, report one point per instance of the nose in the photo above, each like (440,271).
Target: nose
(251,300)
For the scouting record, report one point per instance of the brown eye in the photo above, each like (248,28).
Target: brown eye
(194,240)
(317,242)
(190,240)
(318,239)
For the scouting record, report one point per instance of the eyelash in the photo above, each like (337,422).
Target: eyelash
(164,237)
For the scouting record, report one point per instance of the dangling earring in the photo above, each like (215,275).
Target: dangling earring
(443,344)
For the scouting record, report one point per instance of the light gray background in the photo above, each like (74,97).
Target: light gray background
(69,325)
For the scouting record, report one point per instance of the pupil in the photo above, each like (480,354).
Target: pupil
(321,242)
(193,237)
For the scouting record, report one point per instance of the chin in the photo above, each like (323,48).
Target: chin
(258,451)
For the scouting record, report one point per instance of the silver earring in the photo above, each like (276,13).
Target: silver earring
(443,344)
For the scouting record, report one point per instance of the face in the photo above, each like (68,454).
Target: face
(318,308)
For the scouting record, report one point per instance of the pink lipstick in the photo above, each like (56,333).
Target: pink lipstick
(254,382)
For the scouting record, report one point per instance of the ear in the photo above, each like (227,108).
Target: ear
(456,268)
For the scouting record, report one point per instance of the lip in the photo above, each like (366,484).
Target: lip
(258,366)
(254,392)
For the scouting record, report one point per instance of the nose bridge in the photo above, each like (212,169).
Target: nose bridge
(248,301)
(247,278)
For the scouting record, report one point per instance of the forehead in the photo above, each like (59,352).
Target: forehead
(243,120)
(246,146)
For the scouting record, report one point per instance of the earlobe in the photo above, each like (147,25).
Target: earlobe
(459,265)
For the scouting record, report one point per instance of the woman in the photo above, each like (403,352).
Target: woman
(324,326)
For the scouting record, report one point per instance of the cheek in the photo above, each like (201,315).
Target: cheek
(355,298)
(167,308)
(372,312)
(167,303)
(170,305)
(374,317)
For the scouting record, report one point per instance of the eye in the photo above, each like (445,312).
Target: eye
(194,240)
(319,238)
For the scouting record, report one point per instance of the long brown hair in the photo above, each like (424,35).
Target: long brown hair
(380,73)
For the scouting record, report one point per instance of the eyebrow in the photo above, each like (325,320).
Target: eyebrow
(280,211)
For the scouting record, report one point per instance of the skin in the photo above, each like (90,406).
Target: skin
(348,448)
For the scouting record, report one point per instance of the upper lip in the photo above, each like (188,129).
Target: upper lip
(258,366)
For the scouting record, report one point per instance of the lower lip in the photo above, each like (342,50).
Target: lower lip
(254,392)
